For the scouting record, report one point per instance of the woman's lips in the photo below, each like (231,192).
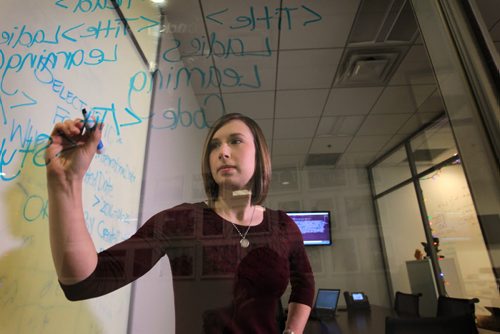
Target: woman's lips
(226,168)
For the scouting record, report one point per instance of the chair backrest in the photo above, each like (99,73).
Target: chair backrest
(463,324)
(448,306)
(407,304)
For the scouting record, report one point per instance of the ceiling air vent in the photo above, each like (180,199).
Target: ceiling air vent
(325,159)
(368,67)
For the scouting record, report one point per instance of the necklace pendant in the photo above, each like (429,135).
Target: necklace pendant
(244,243)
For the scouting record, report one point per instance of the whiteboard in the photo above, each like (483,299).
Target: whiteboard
(57,57)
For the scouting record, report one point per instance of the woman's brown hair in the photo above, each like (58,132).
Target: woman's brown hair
(262,175)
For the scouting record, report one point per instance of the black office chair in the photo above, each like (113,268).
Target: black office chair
(407,304)
(463,324)
(448,306)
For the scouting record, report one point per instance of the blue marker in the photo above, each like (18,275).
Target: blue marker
(87,125)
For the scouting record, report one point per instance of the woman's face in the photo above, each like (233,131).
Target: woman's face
(232,156)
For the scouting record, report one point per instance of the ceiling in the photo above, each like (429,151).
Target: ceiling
(342,81)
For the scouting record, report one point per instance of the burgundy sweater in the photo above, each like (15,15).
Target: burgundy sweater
(219,287)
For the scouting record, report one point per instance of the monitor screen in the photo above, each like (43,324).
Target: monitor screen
(314,226)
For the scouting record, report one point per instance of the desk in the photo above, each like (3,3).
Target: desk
(373,322)
(357,322)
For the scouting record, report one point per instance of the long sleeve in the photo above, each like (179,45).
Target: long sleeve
(301,276)
(128,260)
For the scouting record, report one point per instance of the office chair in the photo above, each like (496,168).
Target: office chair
(463,324)
(407,304)
(448,306)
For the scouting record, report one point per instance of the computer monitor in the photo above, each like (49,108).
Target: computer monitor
(315,226)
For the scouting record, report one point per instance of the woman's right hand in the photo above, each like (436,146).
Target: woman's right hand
(70,153)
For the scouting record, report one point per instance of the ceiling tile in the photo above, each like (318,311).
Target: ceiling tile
(236,26)
(419,40)
(348,101)
(241,74)
(435,138)
(489,12)
(417,121)
(266,126)
(495,33)
(257,105)
(339,126)
(356,160)
(196,72)
(330,144)
(415,69)
(396,140)
(185,21)
(290,146)
(402,99)
(281,161)
(306,69)
(368,143)
(433,103)
(212,106)
(375,125)
(318,24)
(286,128)
(312,37)
(300,103)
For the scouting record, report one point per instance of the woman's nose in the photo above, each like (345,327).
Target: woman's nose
(224,152)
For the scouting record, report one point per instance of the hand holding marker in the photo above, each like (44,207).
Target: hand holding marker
(89,125)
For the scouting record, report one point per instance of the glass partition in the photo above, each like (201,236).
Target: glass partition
(470,94)
(391,171)
(143,22)
(463,256)
(433,145)
(402,233)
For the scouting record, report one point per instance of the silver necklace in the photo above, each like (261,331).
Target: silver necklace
(244,241)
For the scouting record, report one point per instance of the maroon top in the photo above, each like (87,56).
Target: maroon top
(218,285)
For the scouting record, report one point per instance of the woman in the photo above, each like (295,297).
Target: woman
(246,253)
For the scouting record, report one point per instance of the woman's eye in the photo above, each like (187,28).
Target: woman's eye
(236,141)
(214,145)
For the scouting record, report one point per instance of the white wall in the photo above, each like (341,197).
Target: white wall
(354,261)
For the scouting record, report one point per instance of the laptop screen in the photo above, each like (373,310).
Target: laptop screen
(327,299)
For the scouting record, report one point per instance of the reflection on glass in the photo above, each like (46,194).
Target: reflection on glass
(391,171)
(488,18)
(433,145)
(464,258)
(144,21)
(402,232)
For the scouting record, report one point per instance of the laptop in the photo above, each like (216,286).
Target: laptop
(325,304)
